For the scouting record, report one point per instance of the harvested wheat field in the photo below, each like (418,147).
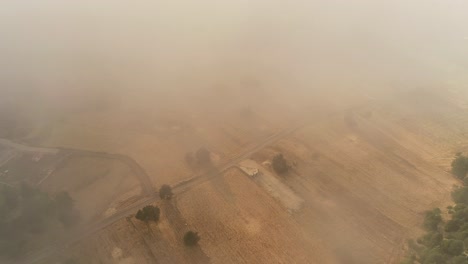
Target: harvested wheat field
(358,188)
(131,241)
(371,179)
(239,222)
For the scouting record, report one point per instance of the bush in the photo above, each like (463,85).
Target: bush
(453,247)
(460,166)
(148,213)
(460,195)
(26,212)
(433,256)
(432,219)
(438,247)
(165,192)
(191,238)
(452,225)
(279,164)
(459,260)
(432,240)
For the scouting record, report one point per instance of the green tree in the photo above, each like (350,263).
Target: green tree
(459,260)
(452,225)
(460,195)
(148,213)
(279,164)
(432,239)
(460,166)
(433,256)
(191,238)
(432,219)
(165,192)
(452,247)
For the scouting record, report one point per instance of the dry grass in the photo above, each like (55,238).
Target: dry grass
(94,183)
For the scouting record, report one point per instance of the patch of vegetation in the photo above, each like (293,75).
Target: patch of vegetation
(26,212)
(148,213)
(201,158)
(280,164)
(165,192)
(191,238)
(460,166)
(446,243)
(432,219)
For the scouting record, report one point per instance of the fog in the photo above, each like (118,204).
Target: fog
(63,52)
(191,64)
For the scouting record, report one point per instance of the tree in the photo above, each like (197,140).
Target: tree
(191,238)
(460,195)
(459,260)
(148,213)
(279,164)
(203,156)
(27,212)
(165,192)
(452,226)
(460,166)
(431,240)
(452,247)
(432,219)
(433,256)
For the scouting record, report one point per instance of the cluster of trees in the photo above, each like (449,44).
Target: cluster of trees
(201,158)
(153,213)
(26,212)
(165,192)
(148,213)
(280,164)
(446,242)
(460,166)
(191,238)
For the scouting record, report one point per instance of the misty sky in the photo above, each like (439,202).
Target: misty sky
(62,48)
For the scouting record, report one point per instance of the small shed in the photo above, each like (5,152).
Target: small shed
(252,172)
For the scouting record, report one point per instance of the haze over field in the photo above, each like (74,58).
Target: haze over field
(73,51)
(363,102)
